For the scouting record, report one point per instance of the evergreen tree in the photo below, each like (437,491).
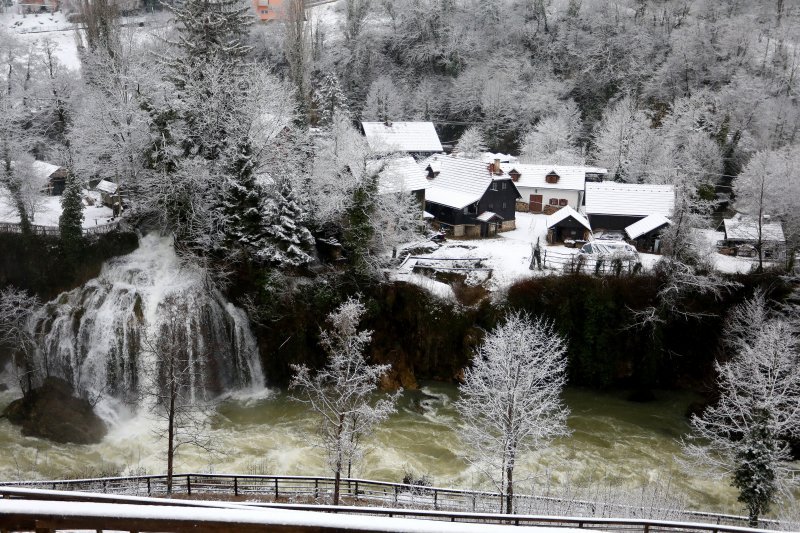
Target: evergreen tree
(328,99)
(291,242)
(70,223)
(359,231)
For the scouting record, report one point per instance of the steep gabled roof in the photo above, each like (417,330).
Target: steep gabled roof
(572,178)
(402,136)
(646,225)
(402,174)
(746,229)
(458,182)
(629,199)
(565,213)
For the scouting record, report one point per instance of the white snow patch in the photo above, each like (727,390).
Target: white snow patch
(261,517)
(49,210)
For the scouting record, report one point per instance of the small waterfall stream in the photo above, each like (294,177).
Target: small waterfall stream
(99,336)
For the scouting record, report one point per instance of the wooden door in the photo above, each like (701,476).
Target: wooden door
(536,203)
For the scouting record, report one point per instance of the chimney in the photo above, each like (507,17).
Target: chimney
(497,170)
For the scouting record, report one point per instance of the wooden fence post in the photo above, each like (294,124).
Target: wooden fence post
(356,490)
(276,488)
(235,486)
(396,493)
(188,485)
(148,486)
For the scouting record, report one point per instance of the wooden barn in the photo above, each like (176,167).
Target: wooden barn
(645,234)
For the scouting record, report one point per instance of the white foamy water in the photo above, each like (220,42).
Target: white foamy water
(96,336)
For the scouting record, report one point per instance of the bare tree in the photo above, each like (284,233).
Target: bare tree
(170,387)
(471,144)
(510,399)
(16,309)
(745,435)
(297,48)
(341,393)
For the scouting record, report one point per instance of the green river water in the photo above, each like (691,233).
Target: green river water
(615,444)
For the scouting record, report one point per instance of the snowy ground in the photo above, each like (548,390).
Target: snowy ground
(49,210)
(31,29)
(504,260)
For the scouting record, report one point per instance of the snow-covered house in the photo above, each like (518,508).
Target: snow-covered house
(267,10)
(742,232)
(53,176)
(48,178)
(409,137)
(546,188)
(472,198)
(610,205)
(567,224)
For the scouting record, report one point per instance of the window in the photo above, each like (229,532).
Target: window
(494,185)
(491,206)
(553,201)
(504,205)
(505,185)
(562,202)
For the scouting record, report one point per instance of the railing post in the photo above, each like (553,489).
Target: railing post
(235,486)
(188,484)
(105,486)
(148,486)
(316,488)
(356,490)
(276,488)
(396,493)
(436,500)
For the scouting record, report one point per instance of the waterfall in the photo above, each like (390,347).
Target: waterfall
(99,337)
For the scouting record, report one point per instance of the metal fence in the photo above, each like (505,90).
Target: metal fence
(362,492)
(74,513)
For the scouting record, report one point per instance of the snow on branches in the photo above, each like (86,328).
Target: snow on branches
(510,399)
(745,435)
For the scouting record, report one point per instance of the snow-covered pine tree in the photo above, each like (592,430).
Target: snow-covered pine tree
(291,242)
(328,99)
(70,223)
(241,206)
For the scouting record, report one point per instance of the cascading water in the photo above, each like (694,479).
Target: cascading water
(97,336)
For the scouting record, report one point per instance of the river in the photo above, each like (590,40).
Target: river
(616,445)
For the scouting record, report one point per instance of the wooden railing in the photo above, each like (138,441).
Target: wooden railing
(23,509)
(301,490)
(575,263)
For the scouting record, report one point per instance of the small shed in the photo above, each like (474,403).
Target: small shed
(108,192)
(53,177)
(490,223)
(567,224)
(645,233)
(742,236)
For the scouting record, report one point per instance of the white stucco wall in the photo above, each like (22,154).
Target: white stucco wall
(573,197)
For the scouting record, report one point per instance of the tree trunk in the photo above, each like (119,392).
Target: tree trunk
(170,440)
(337,480)
(510,490)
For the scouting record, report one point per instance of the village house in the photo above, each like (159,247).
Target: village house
(37,6)
(742,238)
(609,205)
(53,177)
(267,10)
(469,197)
(412,138)
(546,188)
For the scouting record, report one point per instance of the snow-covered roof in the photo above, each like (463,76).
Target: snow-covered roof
(746,229)
(106,186)
(402,174)
(565,213)
(45,170)
(459,182)
(631,199)
(486,216)
(646,225)
(402,136)
(572,178)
